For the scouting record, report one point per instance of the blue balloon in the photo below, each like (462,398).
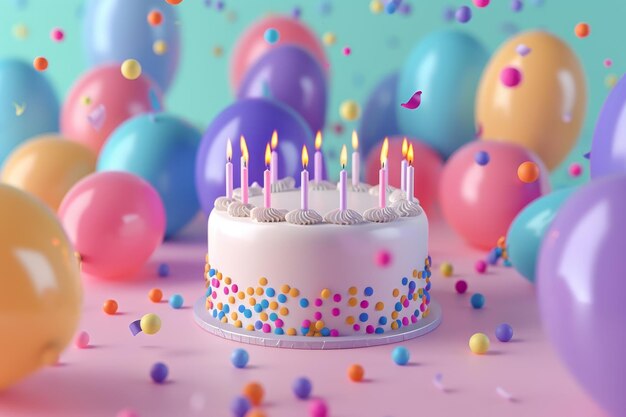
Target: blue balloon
(29,102)
(255,119)
(292,76)
(379,114)
(528,229)
(447,67)
(116,30)
(161,149)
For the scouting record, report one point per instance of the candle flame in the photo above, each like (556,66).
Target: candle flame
(410,155)
(355,141)
(405,147)
(274,140)
(268,155)
(305,157)
(343,158)
(244,149)
(383,153)
(318,141)
(229,150)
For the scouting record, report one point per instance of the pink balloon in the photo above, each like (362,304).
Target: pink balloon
(115,220)
(427,167)
(481,201)
(251,45)
(100,101)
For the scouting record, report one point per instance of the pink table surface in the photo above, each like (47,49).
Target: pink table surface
(114,373)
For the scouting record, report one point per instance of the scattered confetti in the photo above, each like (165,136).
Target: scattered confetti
(159,47)
(302,388)
(19,109)
(271,35)
(131,69)
(40,63)
(349,110)
(20,31)
(504,394)
(356,373)
(135,327)
(522,50)
(329,38)
(296,12)
(481,158)
(405,9)
(575,169)
(239,358)
(376,6)
(347,51)
(159,370)
(155,17)
(582,30)
(510,77)
(477,301)
(413,102)
(254,392)
(82,340)
(57,34)
(218,51)
(517,5)
(150,324)
(504,332)
(528,172)
(463,14)
(383,258)
(481,3)
(610,80)
(479,343)
(438,382)
(110,307)
(97,117)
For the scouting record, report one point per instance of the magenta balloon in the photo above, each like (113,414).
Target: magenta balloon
(255,119)
(115,220)
(292,76)
(581,287)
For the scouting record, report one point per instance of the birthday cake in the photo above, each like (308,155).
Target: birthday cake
(312,272)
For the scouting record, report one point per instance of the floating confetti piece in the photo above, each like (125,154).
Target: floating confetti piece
(504,394)
(438,382)
(510,77)
(376,6)
(517,5)
(57,34)
(347,51)
(587,155)
(19,110)
(218,51)
(414,102)
(97,116)
(159,47)
(40,63)
(582,30)
(575,170)
(608,62)
(349,110)
(20,31)
(481,3)
(463,14)
(329,38)
(522,50)
(135,327)
(271,35)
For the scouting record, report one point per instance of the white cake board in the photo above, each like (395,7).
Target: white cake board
(212,325)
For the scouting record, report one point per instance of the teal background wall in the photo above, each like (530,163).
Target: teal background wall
(379,45)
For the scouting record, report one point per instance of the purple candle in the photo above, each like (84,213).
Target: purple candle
(304,180)
(267,178)
(229,170)
(244,170)
(343,178)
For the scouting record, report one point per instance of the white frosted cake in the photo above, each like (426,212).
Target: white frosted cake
(268,275)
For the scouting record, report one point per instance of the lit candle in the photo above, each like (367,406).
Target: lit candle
(382,175)
(405,148)
(318,157)
(244,170)
(356,161)
(304,180)
(343,178)
(274,162)
(229,170)
(267,177)
(409,175)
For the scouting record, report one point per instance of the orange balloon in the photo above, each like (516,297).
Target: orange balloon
(40,288)
(546,111)
(48,166)
(528,172)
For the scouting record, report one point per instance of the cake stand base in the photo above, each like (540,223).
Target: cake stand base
(227,331)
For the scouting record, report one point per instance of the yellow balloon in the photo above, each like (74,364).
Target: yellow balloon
(545,111)
(47,167)
(40,291)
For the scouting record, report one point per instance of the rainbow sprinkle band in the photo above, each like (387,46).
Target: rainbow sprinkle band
(270,305)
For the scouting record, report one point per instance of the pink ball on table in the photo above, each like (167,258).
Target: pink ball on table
(481,266)
(511,77)
(481,3)
(318,408)
(82,340)
(127,413)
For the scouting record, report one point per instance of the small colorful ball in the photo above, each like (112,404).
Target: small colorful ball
(255,412)
(582,30)
(504,332)
(610,80)
(159,372)
(329,38)
(155,295)
(349,110)
(131,69)
(271,35)
(302,388)
(481,158)
(481,3)
(254,392)
(40,63)
(82,340)
(347,51)
(376,6)
(240,406)
(159,47)
(463,14)
(400,355)
(460,286)
(479,343)
(608,63)
(174,2)
(446,269)
(176,301)
(391,7)
(575,170)
(528,172)
(517,5)
(155,17)
(356,373)
(163,270)
(110,307)
(477,301)
(480,266)
(20,31)
(127,413)
(57,34)
(150,323)
(239,358)
(510,77)
(318,408)
(383,258)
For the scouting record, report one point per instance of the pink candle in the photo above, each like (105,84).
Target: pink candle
(382,175)
(304,180)
(244,170)
(410,176)
(343,179)
(274,161)
(356,160)
(267,178)
(317,163)
(229,170)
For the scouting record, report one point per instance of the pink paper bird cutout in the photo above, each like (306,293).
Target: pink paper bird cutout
(414,102)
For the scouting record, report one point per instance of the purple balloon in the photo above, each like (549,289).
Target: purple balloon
(581,288)
(255,119)
(292,76)
(608,149)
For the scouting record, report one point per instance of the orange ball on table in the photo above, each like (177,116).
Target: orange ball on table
(110,307)
(254,392)
(255,412)
(40,63)
(356,373)
(528,172)
(155,18)
(582,30)
(155,295)
(174,2)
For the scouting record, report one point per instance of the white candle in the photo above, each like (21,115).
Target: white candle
(229,170)
(343,179)
(410,176)
(403,165)
(356,161)
(267,178)
(274,161)
(304,180)
(244,170)
(317,163)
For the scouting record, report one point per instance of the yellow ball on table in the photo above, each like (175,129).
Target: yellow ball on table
(131,69)
(446,269)
(150,323)
(479,343)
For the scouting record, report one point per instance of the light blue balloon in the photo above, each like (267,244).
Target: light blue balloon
(162,150)
(24,89)
(116,30)
(447,67)
(528,229)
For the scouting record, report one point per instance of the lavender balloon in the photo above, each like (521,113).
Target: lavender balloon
(255,119)
(292,76)
(581,287)
(608,150)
